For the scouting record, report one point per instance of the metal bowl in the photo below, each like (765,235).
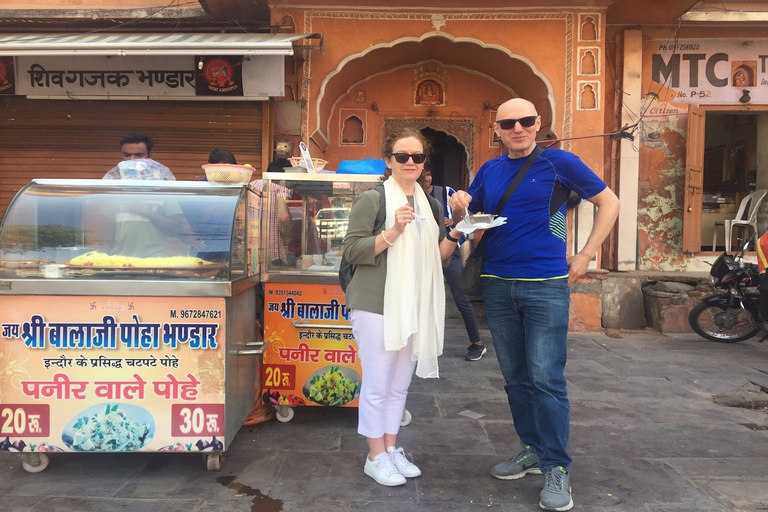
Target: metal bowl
(479,218)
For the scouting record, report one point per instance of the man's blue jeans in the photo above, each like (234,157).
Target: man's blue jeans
(529,324)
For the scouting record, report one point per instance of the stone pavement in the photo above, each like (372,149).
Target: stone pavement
(647,435)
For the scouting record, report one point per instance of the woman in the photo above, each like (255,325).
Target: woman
(396,298)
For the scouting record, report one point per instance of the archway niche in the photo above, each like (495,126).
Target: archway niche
(352,131)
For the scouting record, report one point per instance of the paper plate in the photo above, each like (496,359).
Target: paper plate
(467,228)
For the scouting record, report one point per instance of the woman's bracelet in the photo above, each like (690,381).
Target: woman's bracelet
(385,240)
(454,240)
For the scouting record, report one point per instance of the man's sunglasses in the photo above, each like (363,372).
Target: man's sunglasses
(418,158)
(525,122)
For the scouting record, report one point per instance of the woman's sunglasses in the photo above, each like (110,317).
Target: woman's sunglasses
(525,122)
(418,158)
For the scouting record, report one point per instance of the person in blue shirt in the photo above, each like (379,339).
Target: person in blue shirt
(526,288)
(452,271)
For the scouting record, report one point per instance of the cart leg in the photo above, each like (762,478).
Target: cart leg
(34,462)
(407,417)
(284,413)
(213,461)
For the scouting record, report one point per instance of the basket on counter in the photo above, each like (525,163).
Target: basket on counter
(319,163)
(228,173)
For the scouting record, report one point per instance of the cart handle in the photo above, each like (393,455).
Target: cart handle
(253,352)
(300,323)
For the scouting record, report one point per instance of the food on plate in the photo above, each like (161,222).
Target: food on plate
(100,259)
(108,430)
(45,447)
(275,398)
(332,388)
(176,447)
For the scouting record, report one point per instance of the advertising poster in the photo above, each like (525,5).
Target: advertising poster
(7,80)
(220,76)
(311,357)
(111,374)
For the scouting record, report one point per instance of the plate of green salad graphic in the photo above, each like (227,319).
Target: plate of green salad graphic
(332,385)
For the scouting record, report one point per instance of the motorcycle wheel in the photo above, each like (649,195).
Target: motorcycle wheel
(716,322)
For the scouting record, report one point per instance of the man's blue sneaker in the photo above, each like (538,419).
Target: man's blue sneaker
(556,494)
(525,462)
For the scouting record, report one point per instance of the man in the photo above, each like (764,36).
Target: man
(452,272)
(526,278)
(142,227)
(280,225)
(138,146)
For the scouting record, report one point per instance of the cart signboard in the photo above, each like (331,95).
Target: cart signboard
(311,356)
(112,373)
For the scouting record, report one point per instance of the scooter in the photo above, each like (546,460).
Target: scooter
(734,314)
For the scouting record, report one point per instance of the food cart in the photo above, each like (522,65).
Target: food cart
(127,317)
(311,355)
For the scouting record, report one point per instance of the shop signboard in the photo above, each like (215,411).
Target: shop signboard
(156,77)
(706,71)
(103,374)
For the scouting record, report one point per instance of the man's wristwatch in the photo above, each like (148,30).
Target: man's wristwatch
(449,237)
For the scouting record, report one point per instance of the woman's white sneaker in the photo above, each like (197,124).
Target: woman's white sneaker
(405,467)
(383,470)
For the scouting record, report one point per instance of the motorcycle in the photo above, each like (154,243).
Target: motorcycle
(734,314)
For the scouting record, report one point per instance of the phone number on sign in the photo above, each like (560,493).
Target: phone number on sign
(197,313)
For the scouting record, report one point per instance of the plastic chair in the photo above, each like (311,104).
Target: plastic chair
(745,217)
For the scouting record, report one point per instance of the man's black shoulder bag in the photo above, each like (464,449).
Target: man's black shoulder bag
(346,269)
(469,281)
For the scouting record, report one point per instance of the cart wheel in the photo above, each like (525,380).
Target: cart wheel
(406,420)
(213,461)
(34,462)
(284,413)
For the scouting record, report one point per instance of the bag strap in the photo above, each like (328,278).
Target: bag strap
(381,215)
(511,189)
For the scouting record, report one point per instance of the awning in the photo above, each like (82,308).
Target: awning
(149,44)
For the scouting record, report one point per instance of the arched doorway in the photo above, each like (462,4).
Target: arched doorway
(452,146)
(448,161)
(382,85)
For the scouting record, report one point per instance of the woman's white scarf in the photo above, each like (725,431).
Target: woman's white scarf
(414,293)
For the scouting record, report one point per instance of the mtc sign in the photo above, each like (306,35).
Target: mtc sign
(711,71)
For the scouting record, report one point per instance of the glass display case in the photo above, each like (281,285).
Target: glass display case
(129,229)
(304,221)
(131,302)
(306,322)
